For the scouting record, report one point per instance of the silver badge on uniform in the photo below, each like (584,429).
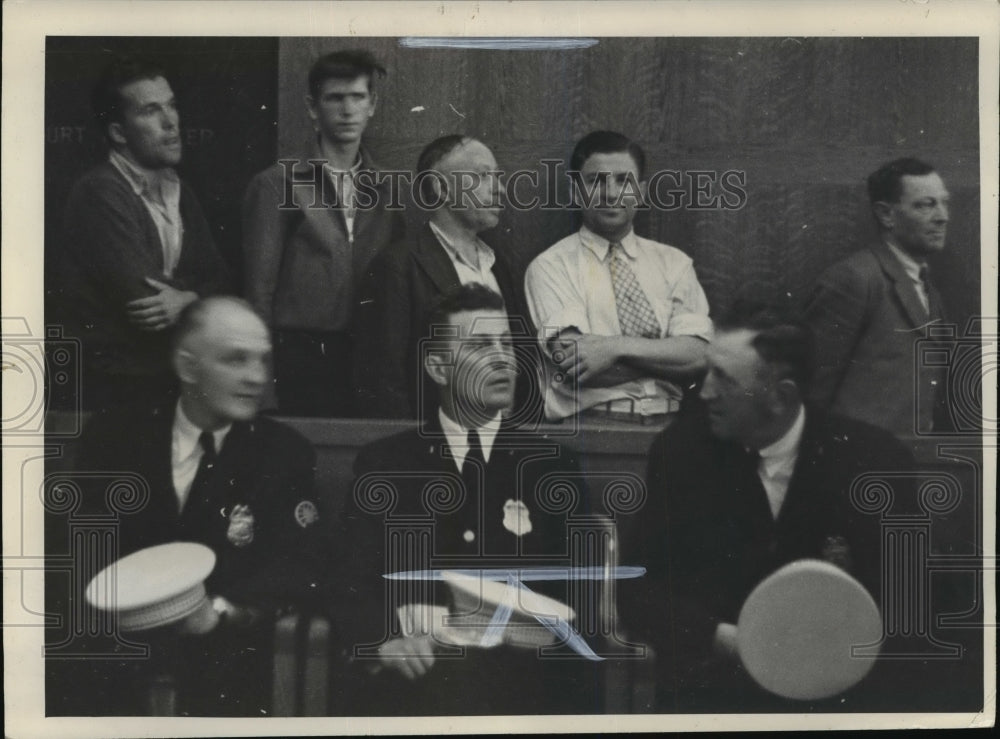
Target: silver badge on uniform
(240,532)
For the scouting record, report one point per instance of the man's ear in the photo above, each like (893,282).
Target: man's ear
(883,214)
(439,186)
(374,97)
(311,108)
(787,392)
(116,132)
(436,368)
(185,366)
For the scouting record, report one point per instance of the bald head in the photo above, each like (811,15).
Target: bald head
(222,356)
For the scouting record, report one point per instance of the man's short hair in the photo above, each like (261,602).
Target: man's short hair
(606,142)
(886,183)
(469,297)
(344,65)
(781,339)
(193,316)
(428,161)
(106,97)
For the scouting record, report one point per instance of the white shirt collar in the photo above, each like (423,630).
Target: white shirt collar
(788,444)
(186,435)
(355,168)
(486,255)
(910,265)
(599,245)
(458,436)
(142,180)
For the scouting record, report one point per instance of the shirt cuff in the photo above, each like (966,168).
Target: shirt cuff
(691,324)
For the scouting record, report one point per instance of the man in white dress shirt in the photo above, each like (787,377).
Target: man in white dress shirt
(622,320)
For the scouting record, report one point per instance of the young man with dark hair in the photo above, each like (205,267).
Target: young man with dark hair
(745,481)
(485,490)
(136,248)
(868,311)
(460,185)
(311,224)
(622,320)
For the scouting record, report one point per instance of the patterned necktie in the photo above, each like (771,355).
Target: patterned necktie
(635,314)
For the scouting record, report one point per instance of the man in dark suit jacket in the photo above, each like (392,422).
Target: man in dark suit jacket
(869,311)
(459,181)
(466,490)
(240,484)
(311,224)
(740,486)
(136,248)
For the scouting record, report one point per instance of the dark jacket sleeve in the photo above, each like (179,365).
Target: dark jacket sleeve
(837,312)
(202,268)
(106,232)
(384,380)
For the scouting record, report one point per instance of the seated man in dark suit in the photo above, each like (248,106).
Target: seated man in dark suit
(221,476)
(465,491)
(460,184)
(738,488)
(136,247)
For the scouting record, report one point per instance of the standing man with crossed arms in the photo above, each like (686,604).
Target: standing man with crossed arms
(622,319)
(136,248)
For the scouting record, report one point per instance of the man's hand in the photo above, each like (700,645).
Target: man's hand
(159,311)
(412,656)
(202,621)
(584,357)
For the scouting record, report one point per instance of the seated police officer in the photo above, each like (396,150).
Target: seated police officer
(467,490)
(219,475)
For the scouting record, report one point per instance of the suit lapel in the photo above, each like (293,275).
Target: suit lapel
(304,173)
(434,261)
(903,287)
(803,485)
(158,447)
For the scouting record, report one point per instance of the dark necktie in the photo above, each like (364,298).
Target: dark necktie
(474,460)
(934,311)
(205,466)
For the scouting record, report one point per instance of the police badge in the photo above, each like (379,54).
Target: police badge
(516,517)
(240,532)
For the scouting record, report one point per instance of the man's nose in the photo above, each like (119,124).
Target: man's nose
(258,372)
(170,119)
(941,213)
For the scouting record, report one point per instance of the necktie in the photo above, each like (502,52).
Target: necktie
(934,311)
(474,460)
(205,466)
(635,314)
